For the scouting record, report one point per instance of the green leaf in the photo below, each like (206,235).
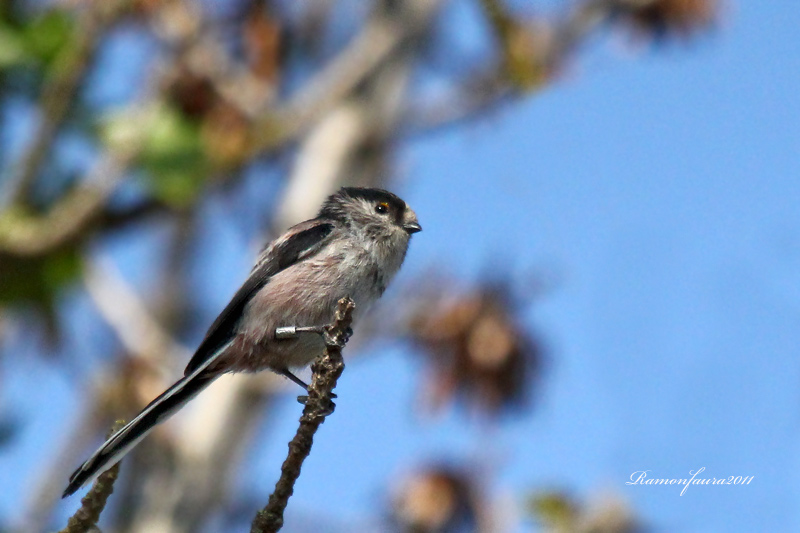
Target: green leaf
(555,510)
(37,279)
(47,35)
(172,152)
(173,155)
(12,48)
(38,282)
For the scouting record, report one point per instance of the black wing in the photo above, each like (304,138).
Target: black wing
(304,240)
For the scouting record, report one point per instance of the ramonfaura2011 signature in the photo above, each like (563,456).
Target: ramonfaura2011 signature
(640,478)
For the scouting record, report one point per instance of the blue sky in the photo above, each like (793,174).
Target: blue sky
(662,191)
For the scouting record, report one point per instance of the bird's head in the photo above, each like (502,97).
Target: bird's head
(377,212)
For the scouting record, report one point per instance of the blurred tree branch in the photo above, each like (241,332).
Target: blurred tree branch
(224,91)
(532,53)
(381,35)
(128,316)
(26,235)
(61,89)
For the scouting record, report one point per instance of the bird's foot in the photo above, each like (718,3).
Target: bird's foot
(288,374)
(325,411)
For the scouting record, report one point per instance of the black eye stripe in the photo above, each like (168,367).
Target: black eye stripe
(334,207)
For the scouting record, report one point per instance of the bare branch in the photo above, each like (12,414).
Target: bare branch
(94,502)
(325,372)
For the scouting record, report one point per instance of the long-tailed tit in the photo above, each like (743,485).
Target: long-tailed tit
(354,247)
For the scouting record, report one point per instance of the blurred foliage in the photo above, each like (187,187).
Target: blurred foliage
(48,36)
(174,158)
(174,153)
(229,86)
(558,512)
(477,349)
(525,45)
(664,19)
(37,41)
(438,499)
(38,281)
(210,107)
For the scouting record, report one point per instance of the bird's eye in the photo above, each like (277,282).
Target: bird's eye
(382,208)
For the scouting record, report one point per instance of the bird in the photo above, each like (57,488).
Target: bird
(353,247)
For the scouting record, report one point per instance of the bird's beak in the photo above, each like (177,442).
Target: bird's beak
(412,227)
(410,223)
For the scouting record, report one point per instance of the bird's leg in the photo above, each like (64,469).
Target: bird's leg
(292,332)
(287,374)
(301,399)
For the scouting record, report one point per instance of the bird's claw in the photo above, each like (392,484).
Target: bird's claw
(325,411)
(333,396)
(338,340)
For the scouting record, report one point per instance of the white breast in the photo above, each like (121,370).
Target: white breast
(306,294)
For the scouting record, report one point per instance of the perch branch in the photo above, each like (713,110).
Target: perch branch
(94,502)
(325,372)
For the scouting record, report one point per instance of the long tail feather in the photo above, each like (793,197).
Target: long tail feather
(169,402)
